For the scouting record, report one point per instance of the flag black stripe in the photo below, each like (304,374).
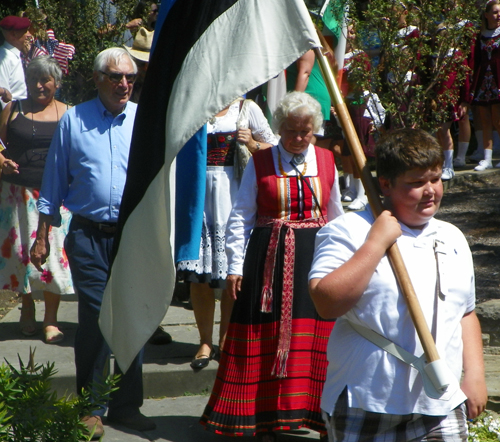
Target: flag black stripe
(186,21)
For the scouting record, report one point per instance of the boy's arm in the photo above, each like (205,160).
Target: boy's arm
(340,290)
(473,383)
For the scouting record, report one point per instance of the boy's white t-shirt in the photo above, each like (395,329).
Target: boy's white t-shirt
(376,380)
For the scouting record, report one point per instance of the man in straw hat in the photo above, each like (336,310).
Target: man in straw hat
(17,37)
(140,51)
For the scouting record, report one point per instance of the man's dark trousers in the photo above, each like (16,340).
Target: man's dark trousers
(89,251)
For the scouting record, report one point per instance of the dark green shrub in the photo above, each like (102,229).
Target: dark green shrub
(30,411)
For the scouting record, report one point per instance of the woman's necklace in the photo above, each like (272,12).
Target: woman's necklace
(297,159)
(33,128)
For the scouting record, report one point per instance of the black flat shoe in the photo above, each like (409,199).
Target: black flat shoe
(199,363)
(266,436)
(160,337)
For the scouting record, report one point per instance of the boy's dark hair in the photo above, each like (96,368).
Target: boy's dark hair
(405,149)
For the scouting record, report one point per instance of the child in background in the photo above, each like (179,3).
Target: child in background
(368,391)
(486,79)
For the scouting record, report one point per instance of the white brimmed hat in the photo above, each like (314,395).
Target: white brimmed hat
(142,45)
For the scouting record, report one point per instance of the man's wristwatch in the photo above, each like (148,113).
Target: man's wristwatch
(257,145)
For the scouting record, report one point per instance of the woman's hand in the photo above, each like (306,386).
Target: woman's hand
(9,167)
(39,252)
(245,136)
(233,285)
(6,95)
(134,24)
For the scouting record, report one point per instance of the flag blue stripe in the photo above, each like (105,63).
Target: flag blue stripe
(190,196)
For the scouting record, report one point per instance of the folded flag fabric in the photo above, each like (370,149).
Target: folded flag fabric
(206,54)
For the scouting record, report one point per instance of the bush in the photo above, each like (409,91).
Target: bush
(409,70)
(30,411)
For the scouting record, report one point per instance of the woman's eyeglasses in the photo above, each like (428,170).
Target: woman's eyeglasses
(116,77)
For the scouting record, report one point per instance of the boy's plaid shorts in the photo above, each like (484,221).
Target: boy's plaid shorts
(356,425)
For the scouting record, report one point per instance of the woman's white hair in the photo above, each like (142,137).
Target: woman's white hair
(298,104)
(44,65)
(112,54)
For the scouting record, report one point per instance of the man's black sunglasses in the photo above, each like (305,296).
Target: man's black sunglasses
(116,77)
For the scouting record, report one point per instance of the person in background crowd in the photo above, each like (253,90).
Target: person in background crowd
(87,170)
(17,37)
(238,130)
(26,128)
(486,65)
(140,51)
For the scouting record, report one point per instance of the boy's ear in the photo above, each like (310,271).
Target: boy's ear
(385,185)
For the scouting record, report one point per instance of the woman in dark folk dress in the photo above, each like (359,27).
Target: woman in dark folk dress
(273,364)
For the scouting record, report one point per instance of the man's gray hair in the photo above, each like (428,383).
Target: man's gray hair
(298,104)
(112,55)
(43,66)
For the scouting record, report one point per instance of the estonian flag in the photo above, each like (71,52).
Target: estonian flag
(207,53)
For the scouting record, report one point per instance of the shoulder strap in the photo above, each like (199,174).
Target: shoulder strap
(15,104)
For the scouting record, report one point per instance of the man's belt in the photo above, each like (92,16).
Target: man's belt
(103,227)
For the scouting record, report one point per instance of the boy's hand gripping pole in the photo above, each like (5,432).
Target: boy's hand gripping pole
(393,252)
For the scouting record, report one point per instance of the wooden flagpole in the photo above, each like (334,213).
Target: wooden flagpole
(393,252)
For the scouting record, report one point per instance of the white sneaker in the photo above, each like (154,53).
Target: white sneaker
(348,196)
(358,203)
(448,174)
(497,165)
(458,162)
(483,165)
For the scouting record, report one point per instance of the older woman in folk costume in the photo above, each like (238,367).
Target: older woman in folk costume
(273,364)
(238,130)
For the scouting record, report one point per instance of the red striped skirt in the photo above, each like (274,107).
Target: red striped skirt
(247,398)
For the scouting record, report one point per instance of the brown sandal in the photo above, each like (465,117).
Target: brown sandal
(28,325)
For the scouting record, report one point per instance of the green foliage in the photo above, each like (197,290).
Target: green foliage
(30,411)
(485,428)
(413,70)
(91,26)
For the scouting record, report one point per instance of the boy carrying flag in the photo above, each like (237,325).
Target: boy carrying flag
(370,394)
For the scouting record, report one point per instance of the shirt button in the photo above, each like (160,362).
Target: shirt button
(114,187)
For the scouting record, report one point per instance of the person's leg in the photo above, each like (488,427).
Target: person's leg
(203,301)
(89,268)
(226,307)
(464,133)
(445,140)
(350,189)
(50,326)
(495,118)
(27,322)
(485,113)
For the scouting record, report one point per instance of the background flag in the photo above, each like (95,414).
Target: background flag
(207,53)
(334,16)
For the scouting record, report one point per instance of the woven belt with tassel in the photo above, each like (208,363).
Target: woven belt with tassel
(285,332)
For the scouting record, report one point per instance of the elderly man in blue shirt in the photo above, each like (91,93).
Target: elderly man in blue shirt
(86,169)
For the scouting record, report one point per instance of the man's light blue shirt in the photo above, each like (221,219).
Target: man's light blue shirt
(87,162)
